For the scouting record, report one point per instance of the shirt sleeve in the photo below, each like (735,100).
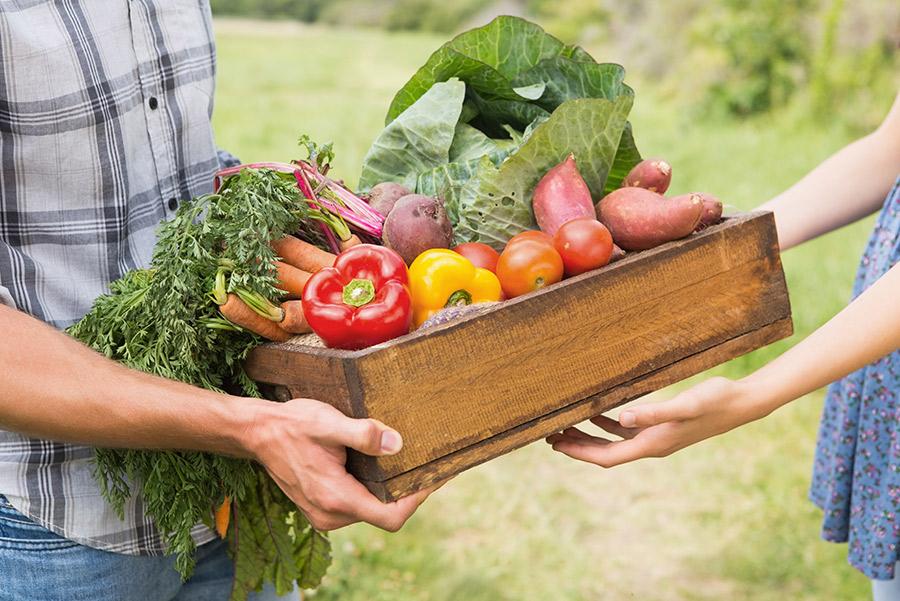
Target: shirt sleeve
(226,159)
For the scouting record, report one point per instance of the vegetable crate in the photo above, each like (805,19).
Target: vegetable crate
(467,391)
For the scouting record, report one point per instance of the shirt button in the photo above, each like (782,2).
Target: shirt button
(173,204)
(153,102)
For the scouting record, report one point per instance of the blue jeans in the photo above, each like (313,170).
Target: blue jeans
(36,564)
(887,590)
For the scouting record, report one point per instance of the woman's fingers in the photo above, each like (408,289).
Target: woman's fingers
(576,435)
(614,427)
(682,407)
(606,454)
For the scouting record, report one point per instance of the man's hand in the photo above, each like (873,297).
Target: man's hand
(303,445)
(659,429)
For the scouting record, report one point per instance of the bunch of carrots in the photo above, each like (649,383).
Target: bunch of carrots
(335,209)
(279,322)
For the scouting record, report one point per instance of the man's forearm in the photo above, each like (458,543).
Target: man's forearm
(847,186)
(54,387)
(868,329)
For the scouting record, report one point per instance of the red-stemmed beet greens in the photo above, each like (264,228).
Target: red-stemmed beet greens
(336,208)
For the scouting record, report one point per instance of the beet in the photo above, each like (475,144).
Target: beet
(561,196)
(385,195)
(416,224)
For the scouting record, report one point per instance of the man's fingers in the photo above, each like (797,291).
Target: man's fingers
(367,436)
(614,427)
(387,516)
(605,455)
(678,408)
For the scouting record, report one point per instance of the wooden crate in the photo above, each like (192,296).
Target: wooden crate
(467,391)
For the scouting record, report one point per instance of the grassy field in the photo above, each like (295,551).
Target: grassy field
(726,519)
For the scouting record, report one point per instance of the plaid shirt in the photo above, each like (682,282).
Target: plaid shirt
(104,126)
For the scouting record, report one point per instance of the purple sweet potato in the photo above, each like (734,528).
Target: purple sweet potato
(639,219)
(416,224)
(561,196)
(651,174)
(385,195)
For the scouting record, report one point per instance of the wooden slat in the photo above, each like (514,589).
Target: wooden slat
(408,482)
(306,374)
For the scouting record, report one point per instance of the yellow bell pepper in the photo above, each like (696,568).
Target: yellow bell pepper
(441,278)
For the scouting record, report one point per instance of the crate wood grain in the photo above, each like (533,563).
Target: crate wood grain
(467,391)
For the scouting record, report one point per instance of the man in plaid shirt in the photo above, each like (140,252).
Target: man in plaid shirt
(104,128)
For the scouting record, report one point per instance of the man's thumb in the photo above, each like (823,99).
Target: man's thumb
(371,437)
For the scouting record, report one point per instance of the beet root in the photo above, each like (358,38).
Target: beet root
(385,195)
(651,174)
(639,219)
(561,196)
(416,224)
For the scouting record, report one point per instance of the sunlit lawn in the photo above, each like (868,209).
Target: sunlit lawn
(727,519)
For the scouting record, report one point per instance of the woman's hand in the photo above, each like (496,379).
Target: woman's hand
(659,429)
(869,328)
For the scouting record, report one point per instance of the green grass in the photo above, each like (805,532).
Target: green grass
(726,519)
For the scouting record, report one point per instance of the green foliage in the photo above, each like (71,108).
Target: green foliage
(162,321)
(764,55)
(427,15)
(304,10)
(397,15)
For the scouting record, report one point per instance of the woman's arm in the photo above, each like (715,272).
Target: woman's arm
(867,329)
(847,186)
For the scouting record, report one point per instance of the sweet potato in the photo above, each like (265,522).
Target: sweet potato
(639,219)
(561,196)
(712,210)
(416,224)
(651,174)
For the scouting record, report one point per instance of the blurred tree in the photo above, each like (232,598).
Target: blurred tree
(429,15)
(765,48)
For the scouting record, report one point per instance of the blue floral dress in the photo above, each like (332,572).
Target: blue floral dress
(856,478)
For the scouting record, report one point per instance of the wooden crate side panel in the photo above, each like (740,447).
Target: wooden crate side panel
(500,371)
(440,469)
(307,375)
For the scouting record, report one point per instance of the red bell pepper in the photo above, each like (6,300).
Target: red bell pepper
(362,300)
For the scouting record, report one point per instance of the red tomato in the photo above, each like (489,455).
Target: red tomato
(528,265)
(537,235)
(584,244)
(480,254)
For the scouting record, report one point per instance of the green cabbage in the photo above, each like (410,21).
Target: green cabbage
(489,113)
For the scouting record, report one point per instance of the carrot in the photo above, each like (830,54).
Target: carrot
(223,517)
(350,242)
(302,255)
(291,279)
(237,312)
(294,320)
